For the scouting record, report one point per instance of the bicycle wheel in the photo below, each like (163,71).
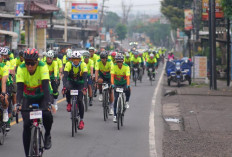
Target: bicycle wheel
(41,143)
(122,111)
(135,78)
(119,107)
(73,113)
(3,133)
(104,105)
(86,102)
(107,104)
(34,143)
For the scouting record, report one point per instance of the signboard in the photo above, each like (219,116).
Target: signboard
(205,10)
(84,11)
(19,9)
(85,8)
(200,66)
(188,14)
(84,16)
(41,23)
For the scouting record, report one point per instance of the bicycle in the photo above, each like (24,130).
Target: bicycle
(135,75)
(3,132)
(150,74)
(36,147)
(75,116)
(105,102)
(85,100)
(120,107)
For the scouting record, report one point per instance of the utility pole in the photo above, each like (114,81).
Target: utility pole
(212,40)
(65,21)
(100,23)
(28,22)
(228,52)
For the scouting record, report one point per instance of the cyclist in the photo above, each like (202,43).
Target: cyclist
(151,63)
(142,61)
(4,73)
(120,77)
(113,54)
(65,56)
(75,77)
(19,60)
(53,73)
(89,63)
(136,62)
(33,88)
(10,64)
(127,59)
(59,64)
(102,74)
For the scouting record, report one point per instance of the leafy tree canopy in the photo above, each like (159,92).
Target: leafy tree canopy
(121,31)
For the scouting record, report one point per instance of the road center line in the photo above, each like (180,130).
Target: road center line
(152,143)
(20,119)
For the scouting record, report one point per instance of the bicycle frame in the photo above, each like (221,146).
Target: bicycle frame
(120,107)
(74,112)
(105,102)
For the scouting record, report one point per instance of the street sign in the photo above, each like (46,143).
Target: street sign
(84,16)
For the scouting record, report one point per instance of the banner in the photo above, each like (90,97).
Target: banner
(85,8)
(41,23)
(188,14)
(205,10)
(19,9)
(84,11)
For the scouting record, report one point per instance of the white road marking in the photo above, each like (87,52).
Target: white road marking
(152,144)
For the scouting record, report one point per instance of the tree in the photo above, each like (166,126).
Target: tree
(121,31)
(125,11)
(226,5)
(173,10)
(111,20)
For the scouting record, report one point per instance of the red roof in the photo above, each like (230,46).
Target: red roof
(37,7)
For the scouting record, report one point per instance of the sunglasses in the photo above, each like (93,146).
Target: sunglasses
(86,57)
(30,63)
(103,58)
(119,61)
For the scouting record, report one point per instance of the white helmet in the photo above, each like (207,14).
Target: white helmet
(151,55)
(76,54)
(127,54)
(44,53)
(5,51)
(68,50)
(50,54)
(69,54)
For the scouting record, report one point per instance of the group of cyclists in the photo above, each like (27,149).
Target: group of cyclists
(30,79)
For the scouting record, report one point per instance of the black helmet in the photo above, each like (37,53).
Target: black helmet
(20,53)
(31,54)
(55,53)
(103,54)
(119,57)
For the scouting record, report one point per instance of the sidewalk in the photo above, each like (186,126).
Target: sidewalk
(205,127)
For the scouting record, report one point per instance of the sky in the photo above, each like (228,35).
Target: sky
(151,7)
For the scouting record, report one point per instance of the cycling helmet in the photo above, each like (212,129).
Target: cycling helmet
(55,53)
(68,50)
(92,48)
(151,55)
(97,52)
(136,53)
(5,51)
(127,54)
(119,57)
(103,54)
(20,53)
(76,54)
(113,54)
(69,54)
(31,54)
(50,54)
(86,54)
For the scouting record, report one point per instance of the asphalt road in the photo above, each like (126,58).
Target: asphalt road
(99,138)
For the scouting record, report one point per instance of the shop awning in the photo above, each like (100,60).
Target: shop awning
(13,34)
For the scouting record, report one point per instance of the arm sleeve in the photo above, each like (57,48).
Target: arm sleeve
(19,92)
(65,78)
(45,87)
(85,79)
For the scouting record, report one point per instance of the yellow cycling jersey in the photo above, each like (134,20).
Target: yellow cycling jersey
(95,58)
(59,63)
(89,66)
(19,62)
(137,60)
(65,59)
(157,55)
(33,83)
(151,61)
(104,70)
(11,55)
(76,73)
(127,60)
(120,74)
(53,70)
(3,71)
